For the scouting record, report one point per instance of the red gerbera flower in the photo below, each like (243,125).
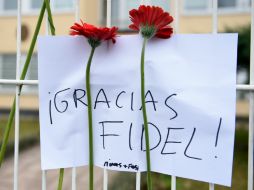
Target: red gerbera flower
(94,34)
(151,21)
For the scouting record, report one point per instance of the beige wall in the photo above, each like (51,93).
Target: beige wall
(9,25)
(89,12)
(203,24)
(27,102)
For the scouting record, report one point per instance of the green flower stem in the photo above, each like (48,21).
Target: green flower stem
(22,77)
(90,118)
(50,18)
(60,180)
(7,132)
(148,161)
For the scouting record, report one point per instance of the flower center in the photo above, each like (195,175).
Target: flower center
(94,42)
(148,31)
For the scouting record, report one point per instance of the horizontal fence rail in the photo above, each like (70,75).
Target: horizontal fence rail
(239,87)
(248,88)
(18,82)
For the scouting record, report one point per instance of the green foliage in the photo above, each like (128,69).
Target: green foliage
(29,134)
(243,52)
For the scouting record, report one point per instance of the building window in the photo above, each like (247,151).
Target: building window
(121,8)
(120,12)
(196,4)
(8,66)
(33,6)
(8,71)
(234,4)
(201,6)
(226,3)
(62,4)
(9,5)
(36,4)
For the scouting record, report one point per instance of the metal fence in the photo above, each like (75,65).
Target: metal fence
(176,10)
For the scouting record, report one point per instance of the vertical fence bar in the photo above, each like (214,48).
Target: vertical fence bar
(109,5)
(105,179)
(214,31)
(138,180)
(73,179)
(44,172)
(176,29)
(176,16)
(173,182)
(77,12)
(44,181)
(46,23)
(142,2)
(105,171)
(74,170)
(215,16)
(138,174)
(18,59)
(251,109)
(211,186)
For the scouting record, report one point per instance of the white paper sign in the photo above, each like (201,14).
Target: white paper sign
(190,95)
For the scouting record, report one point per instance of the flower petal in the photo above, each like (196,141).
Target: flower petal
(94,33)
(134,27)
(153,17)
(164,33)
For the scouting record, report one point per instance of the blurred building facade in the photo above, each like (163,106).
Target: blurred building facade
(195,16)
